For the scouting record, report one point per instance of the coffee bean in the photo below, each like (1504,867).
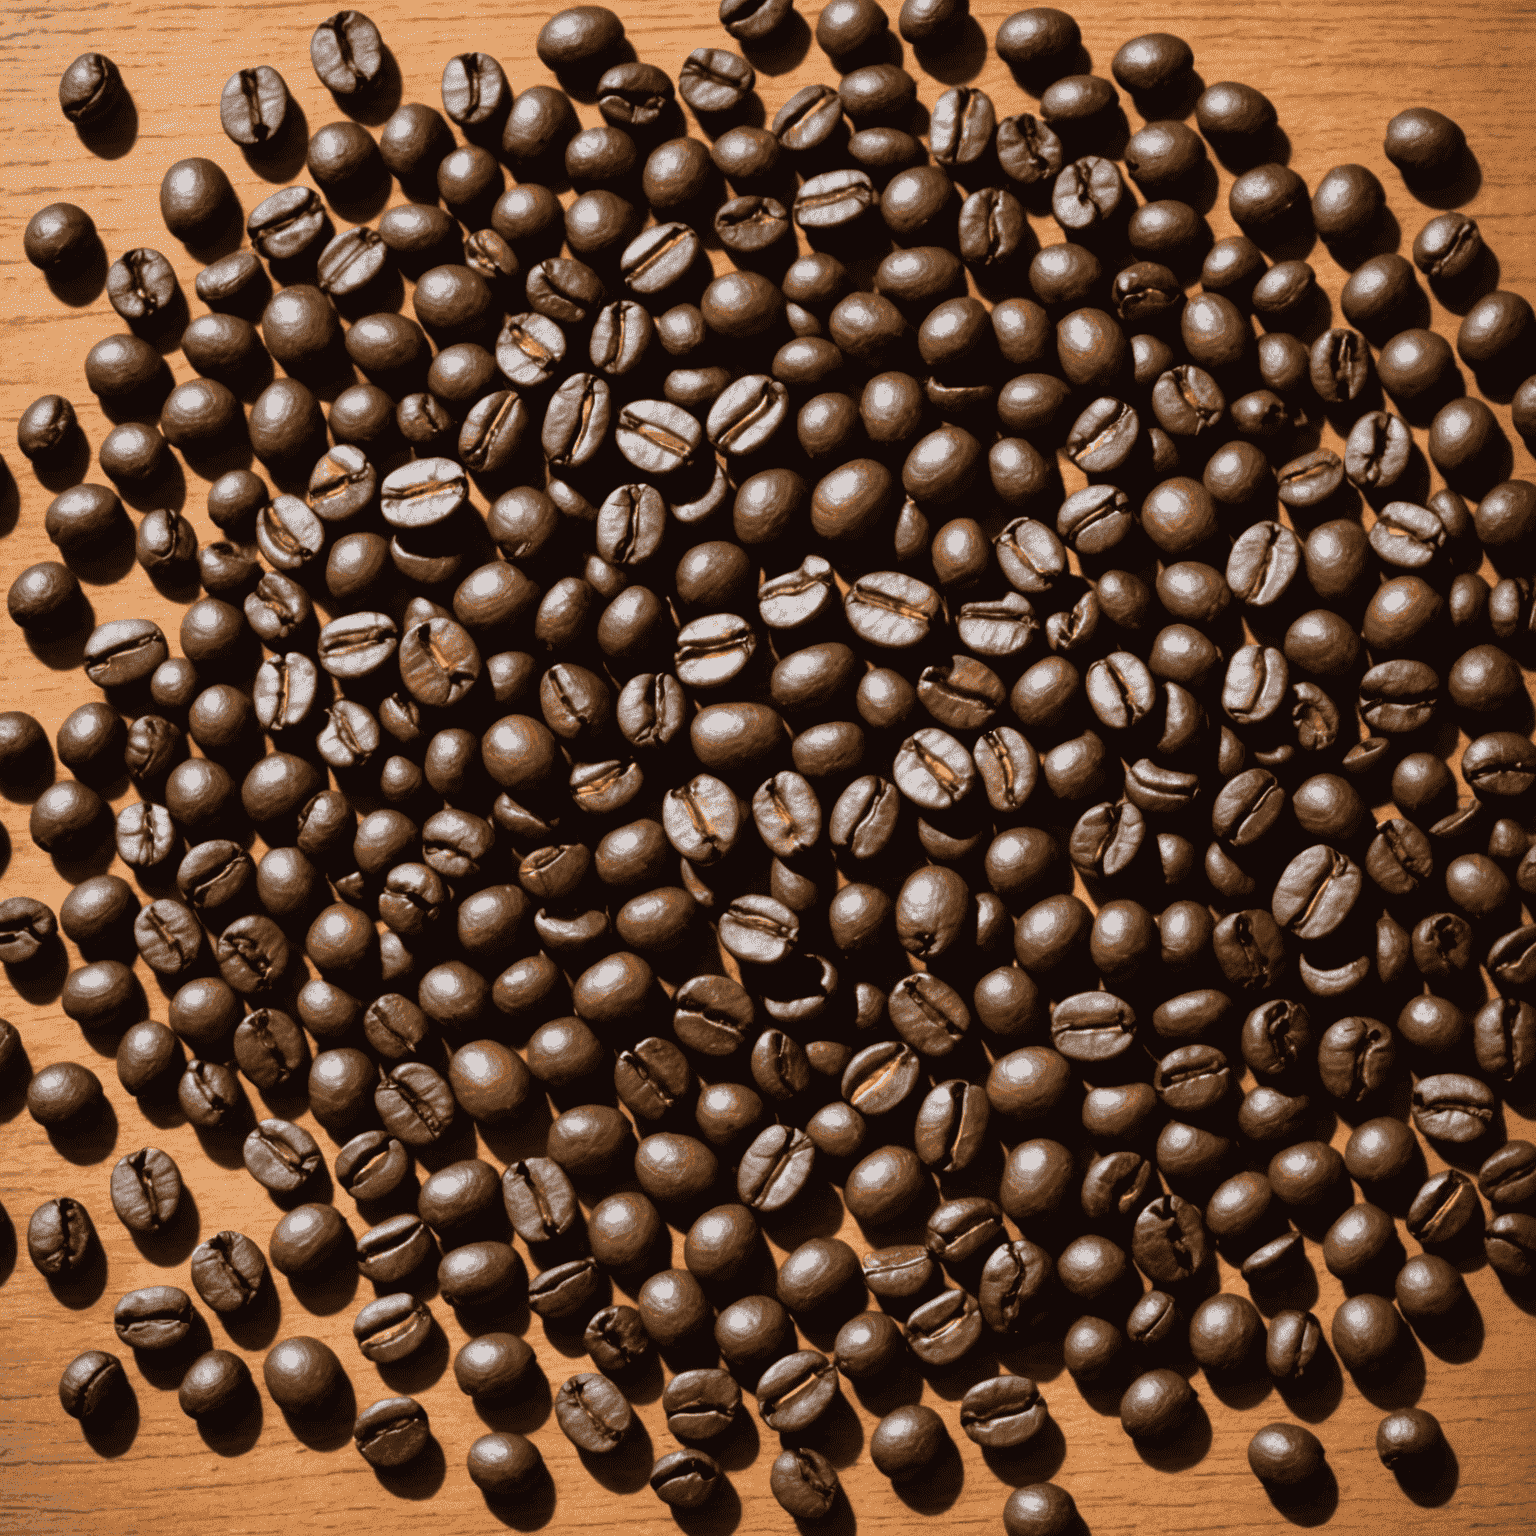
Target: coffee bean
(91,1384)
(960,1229)
(539,1199)
(347,52)
(146,1190)
(592,1413)
(1003,1412)
(158,1317)
(804,1482)
(944,1329)
(714,80)
(1450,1106)
(797,1390)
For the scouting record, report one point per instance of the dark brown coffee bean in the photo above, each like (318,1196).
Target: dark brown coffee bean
(944,1329)
(592,1413)
(1354,1057)
(1451,1106)
(714,80)
(1169,1242)
(1011,1280)
(775,1168)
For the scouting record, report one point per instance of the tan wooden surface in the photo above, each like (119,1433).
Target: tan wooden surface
(1336,72)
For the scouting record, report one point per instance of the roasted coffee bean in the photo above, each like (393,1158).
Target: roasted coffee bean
(1399,696)
(834,200)
(1169,1242)
(960,1229)
(1354,1057)
(92,1383)
(390,1251)
(1316,892)
(944,1329)
(880,1077)
(146,1190)
(1003,1412)
(347,53)
(1450,1106)
(158,1317)
(787,814)
(797,1390)
(415,1104)
(651,1076)
(1092,1026)
(592,1413)
(1011,1280)
(1504,1037)
(615,1338)
(540,1201)
(714,80)
(280,1156)
(59,1237)
(759,930)
(1510,1244)
(890,609)
(775,1168)
(392,1328)
(951,1125)
(564,1289)
(658,438)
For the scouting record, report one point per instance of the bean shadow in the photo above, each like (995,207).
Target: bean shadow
(374,106)
(782,50)
(1458,1336)
(63,654)
(1463,184)
(255,1325)
(1183,1450)
(82,284)
(1402,1385)
(895,1388)
(627,1468)
(282,158)
(739,1446)
(1520,1291)
(840,1520)
(1459,294)
(837,1434)
(234,1433)
(523,1414)
(83,1288)
(1246,1389)
(86,1144)
(939,1485)
(1037,1461)
(1319,1392)
(531,1509)
(112,139)
(111,1434)
(721,1515)
(419,1478)
(164,1369)
(957,55)
(331,1427)
(1311,1502)
(1431,1486)
(329,1291)
(174,1243)
(422,1368)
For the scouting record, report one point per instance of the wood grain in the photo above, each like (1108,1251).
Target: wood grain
(1336,73)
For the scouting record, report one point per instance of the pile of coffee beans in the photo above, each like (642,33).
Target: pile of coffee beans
(698,702)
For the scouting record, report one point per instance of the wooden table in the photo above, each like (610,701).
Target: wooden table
(1336,73)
